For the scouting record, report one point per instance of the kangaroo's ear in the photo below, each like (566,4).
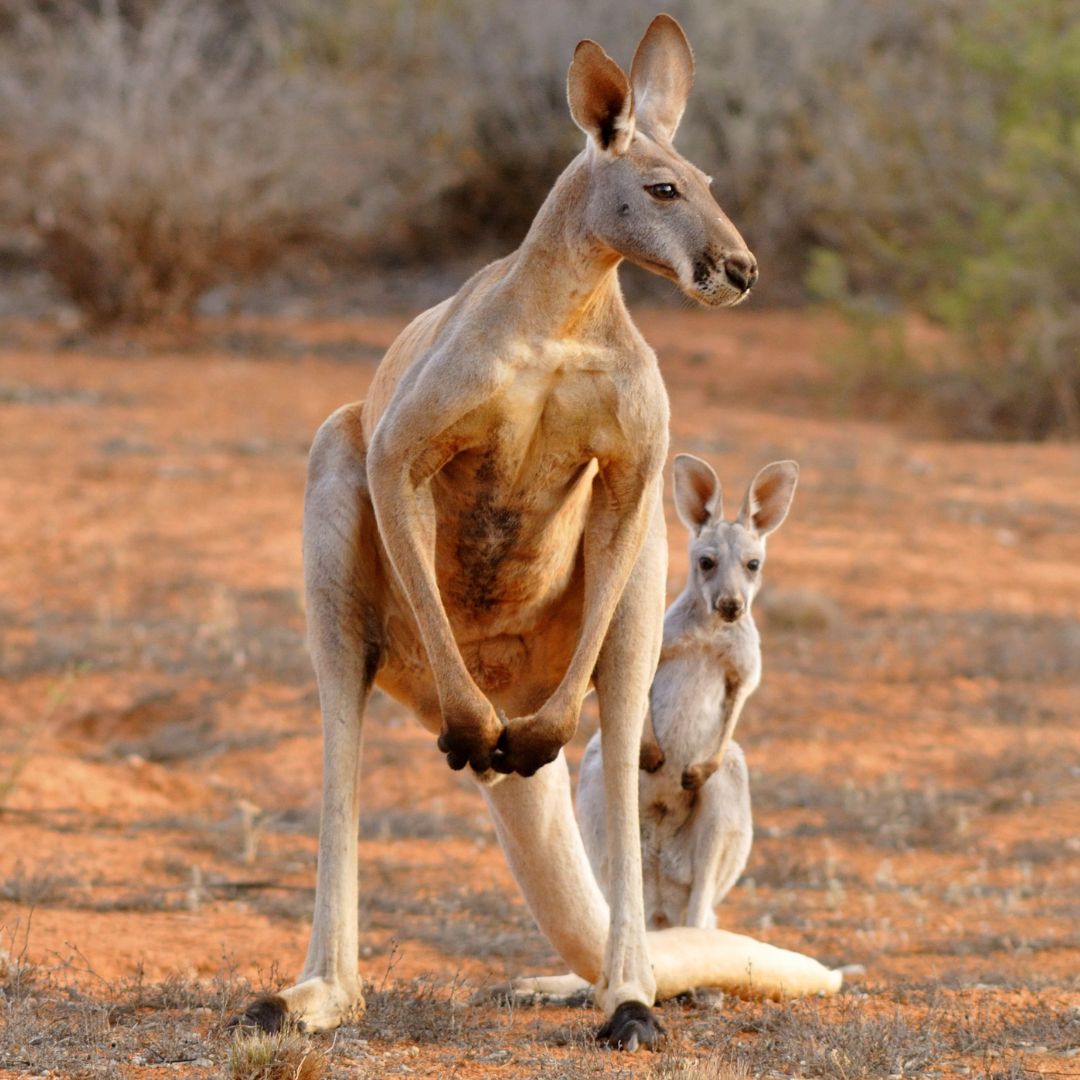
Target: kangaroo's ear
(662,74)
(768,498)
(601,101)
(698,497)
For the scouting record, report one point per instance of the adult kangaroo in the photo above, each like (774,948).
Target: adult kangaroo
(483,539)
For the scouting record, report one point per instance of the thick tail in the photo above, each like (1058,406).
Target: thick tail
(535,822)
(687,958)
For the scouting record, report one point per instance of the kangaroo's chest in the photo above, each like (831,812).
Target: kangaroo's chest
(511,505)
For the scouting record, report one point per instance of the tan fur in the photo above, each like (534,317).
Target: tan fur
(483,537)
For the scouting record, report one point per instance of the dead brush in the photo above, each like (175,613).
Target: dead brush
(160,157)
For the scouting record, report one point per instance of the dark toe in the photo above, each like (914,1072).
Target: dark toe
(266,1013)
(632,1025)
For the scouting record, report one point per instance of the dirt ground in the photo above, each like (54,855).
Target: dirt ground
(914,750)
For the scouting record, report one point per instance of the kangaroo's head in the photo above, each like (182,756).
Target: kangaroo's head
(727,557)
(646,201)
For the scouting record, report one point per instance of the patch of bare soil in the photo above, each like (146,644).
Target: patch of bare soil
(914,750)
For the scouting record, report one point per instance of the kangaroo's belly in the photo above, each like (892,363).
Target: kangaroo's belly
(503,558)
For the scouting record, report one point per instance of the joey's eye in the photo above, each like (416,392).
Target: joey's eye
(753,565)
(706,562)
(663,191)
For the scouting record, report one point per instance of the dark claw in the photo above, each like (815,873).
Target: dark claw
(266,1013)
(501,763)
(632,1025)
(457,756)
(505,761)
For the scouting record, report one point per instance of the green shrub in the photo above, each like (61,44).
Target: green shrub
(965,199)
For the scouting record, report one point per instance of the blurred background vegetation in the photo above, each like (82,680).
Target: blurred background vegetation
(889,159)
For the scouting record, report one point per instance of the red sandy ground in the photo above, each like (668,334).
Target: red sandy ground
(920,623)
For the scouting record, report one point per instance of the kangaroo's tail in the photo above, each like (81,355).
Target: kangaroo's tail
(686,957)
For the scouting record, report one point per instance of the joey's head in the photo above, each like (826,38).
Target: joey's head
(646,201)
(727,557)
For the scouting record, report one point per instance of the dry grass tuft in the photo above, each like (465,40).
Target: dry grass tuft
(673,1067)
(282,1055)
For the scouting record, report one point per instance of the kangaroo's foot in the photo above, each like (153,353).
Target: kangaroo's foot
(566,990)
(702,997)
(528,743)
(313,1005)
(632,1025)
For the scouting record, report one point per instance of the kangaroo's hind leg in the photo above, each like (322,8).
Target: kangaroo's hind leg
(343,590)
(722,835)
(624,674)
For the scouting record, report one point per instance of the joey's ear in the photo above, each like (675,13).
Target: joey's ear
(601,101)
(698,497)
(768,498)
(662,74)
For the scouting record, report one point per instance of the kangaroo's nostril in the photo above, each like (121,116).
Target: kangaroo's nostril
(730,608)
(741,269)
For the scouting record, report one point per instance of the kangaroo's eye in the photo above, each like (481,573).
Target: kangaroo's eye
(706,563)
(753,565)
(663,191)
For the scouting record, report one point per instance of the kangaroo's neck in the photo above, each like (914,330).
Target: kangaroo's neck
(689,626)
(567,279)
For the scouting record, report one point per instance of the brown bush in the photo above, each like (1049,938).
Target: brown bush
(155,159)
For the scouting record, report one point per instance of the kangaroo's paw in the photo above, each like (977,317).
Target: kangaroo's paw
(470,738)
(313,1005)
(651,757)
(694,776)
(632,1025)
(526,745)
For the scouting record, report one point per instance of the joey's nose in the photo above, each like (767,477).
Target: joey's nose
(730,608)
(741,270)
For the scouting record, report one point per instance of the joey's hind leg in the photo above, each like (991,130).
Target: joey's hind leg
(345,639)
(722,834)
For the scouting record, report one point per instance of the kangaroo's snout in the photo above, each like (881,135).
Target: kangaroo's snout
(741,270)
(730,608)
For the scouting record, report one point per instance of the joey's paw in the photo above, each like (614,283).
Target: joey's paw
(694,776)
(632,1025)
(523,749)
(267,1012)
(651,757)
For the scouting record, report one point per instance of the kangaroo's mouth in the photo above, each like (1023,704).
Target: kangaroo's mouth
(721,281)
(710,290)
(724,297)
